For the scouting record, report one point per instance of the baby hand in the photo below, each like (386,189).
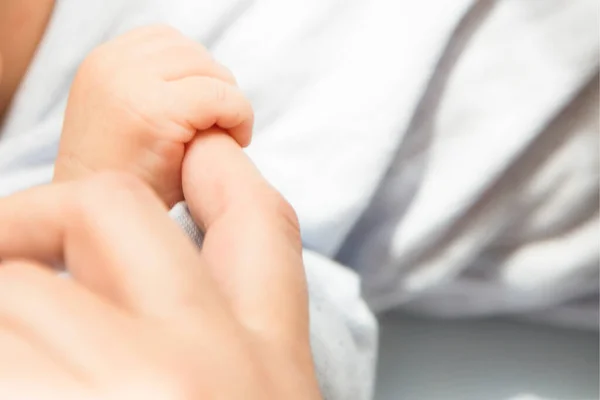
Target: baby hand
(138,99)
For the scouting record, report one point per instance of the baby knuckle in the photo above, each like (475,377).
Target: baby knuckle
(220,90)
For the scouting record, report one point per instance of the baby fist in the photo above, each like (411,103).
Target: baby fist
(138,99)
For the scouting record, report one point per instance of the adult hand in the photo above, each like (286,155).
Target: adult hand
(146,315)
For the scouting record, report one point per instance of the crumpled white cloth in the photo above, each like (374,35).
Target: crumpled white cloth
(490,205)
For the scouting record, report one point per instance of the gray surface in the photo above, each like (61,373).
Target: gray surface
(484,360)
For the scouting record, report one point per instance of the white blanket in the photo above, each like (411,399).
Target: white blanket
(505,217)
(490,205)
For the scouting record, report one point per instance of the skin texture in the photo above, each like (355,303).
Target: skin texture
(198,325)
(138,100)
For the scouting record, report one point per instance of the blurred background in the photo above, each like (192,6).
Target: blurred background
(492,359)
(453,155)
(489,150)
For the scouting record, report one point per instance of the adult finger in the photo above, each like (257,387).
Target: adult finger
(64,322)
(26,373)
(115,237)
(203,102)
(252,242)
